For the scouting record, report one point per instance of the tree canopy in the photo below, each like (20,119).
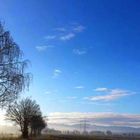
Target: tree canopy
(13,78)
(26,113)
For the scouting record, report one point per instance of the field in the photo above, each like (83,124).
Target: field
(71,137)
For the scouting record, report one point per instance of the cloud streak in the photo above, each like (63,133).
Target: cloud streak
(67,36)
(79,87)
(50,37)
(66,33)
(79,28)
(79,51)
(62,34)
(110,94)
(56,73)
(60,29)
(101,89)
(71,97)
(43,47)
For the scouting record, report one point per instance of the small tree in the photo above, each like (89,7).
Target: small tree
(22,113)
(13,78)
(37,124)
(108,132)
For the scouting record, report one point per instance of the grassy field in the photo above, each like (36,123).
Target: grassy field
(70,137)
(66,137)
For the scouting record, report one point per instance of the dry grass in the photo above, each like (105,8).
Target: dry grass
(68,137)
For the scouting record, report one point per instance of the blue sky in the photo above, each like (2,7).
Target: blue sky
(84,54)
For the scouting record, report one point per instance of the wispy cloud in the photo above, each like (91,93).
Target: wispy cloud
(43,47)
(50,37)
(48,92)
(70,32)
(61,29)
(67,36)
(56,73)
(71,97)
(79,52)
(66,33)
(101,89)
(79,28)
(79,87)
(109,97)
(110,94)
(63,34)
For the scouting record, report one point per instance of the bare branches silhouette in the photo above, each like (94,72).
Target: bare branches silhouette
(26,113)
(13,78)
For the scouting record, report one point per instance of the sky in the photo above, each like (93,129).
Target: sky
(84,54)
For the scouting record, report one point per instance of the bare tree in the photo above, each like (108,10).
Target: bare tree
(13,78)
(37,124)
(22,113)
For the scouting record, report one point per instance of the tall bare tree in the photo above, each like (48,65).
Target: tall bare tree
(13,78)
(22,113)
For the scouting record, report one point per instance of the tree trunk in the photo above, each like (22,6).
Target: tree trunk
(39,131)
(25,130)
(31,132)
